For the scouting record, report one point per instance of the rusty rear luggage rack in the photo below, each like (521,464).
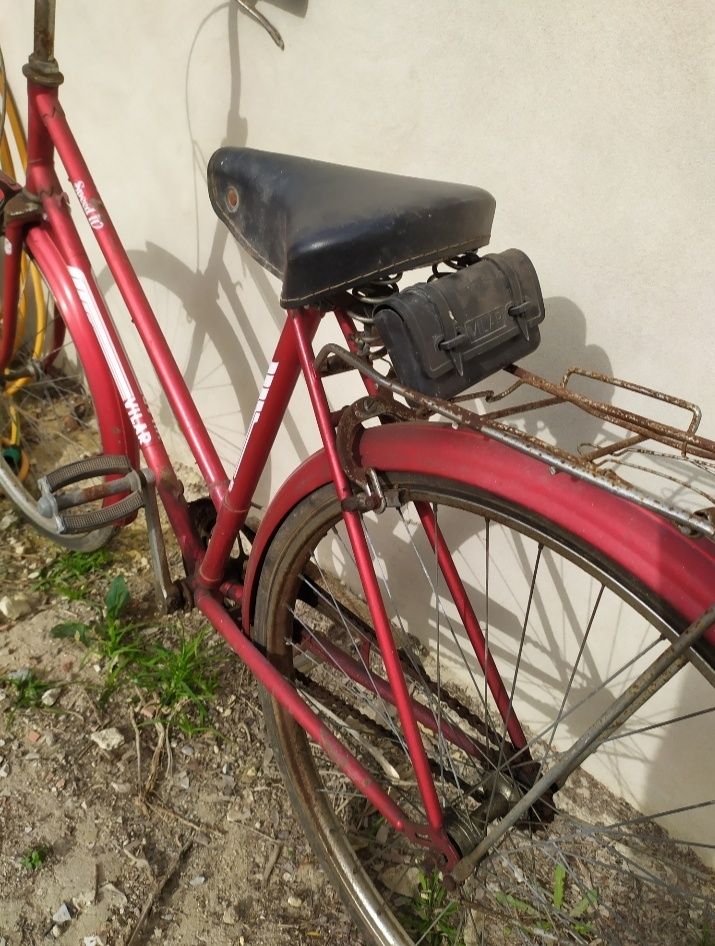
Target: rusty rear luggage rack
(603,464)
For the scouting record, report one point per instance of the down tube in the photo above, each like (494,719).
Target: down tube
(157,348)
(110,375)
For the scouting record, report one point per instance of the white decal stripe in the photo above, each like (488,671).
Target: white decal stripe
(100,330)
(263,394)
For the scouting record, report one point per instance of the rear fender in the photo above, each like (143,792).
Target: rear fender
(679,568)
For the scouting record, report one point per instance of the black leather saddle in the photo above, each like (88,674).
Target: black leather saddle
(323,228)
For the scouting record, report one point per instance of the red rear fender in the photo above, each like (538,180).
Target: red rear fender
(678,568)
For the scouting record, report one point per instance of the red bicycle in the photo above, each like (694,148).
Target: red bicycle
(487,661)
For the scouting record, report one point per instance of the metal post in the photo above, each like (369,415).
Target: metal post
(42,66)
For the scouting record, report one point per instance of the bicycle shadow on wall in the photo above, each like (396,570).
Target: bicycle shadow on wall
(198,306)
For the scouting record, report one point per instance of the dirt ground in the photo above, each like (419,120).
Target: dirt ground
(167,838)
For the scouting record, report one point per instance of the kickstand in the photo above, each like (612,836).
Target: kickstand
(168,593)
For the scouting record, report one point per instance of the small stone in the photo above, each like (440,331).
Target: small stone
(230,917)
(7,521)
(294,902)
(401,881)
(182,780)
(4,770)
(56,931)
(50,697)
(187,750)
(34,736)
(227,768)
(62,914)
(92,941)
(24,673)
(197,881)
(237,814)
(121,788)
(113,895)
(15,607)
(108,739)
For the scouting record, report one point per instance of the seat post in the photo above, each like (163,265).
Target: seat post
(41,67)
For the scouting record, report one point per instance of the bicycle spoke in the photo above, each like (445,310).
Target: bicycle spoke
(572,866)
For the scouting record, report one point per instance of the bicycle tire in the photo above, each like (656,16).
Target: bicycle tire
(47,418)
(538,883)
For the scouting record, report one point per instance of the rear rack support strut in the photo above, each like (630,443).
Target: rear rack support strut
(332,357)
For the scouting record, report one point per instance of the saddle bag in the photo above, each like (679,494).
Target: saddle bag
(447,334)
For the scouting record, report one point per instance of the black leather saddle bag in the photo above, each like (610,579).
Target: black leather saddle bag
(445,335)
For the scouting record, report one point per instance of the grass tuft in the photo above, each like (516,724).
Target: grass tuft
(28,689)
(69,574)
(34,858)
(431,918)
(182,677)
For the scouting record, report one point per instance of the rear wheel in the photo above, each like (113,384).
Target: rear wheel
(47,416)
(617,854)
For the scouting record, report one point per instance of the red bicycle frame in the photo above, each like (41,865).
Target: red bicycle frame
(45,225)
(41,220)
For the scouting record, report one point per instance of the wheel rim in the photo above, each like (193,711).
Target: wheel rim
(595,869)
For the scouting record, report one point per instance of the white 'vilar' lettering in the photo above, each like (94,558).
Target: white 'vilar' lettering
(91,213)
(133,409)
(263,394)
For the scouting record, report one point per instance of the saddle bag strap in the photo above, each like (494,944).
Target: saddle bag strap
(521,304)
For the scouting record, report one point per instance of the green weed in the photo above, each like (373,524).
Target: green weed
(533,914)
(35,857)
(182,678)
(431,918)
(69,574)
(28,689)
(707,935)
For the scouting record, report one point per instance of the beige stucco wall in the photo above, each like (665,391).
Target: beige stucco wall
(591,123)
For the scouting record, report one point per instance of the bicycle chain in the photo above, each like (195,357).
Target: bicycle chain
(338,705)
(332,701)
(442,694)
